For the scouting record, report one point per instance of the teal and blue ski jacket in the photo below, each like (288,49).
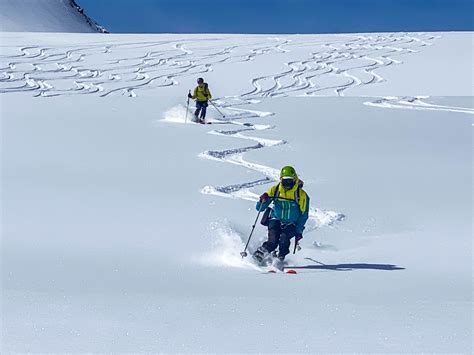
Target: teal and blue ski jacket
(290,206)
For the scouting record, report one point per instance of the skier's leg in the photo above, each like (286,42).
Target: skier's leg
(272,242)
(198,110)
(287,233)
(284,246)
(274,230)
(196,113)
(203,112)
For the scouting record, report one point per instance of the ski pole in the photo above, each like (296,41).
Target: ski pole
(244,253)
(315,261)
(212,103)
(297,246)
(187,109)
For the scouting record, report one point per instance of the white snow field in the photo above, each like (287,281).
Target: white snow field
(122,225)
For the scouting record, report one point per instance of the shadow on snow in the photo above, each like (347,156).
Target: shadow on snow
(349,267)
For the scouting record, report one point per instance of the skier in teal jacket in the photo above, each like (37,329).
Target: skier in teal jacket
(288,217)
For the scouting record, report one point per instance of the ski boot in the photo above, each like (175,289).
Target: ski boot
(260,255)
(278,263)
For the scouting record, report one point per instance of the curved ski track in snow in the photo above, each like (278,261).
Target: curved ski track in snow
(159,65)
(126,68)
(276,88)
(337,67)
(235,156)
(415,103)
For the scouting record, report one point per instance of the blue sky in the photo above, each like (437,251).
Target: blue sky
(280,16)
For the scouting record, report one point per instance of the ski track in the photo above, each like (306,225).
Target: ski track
(415,103)
(121,68)
(318,217)
(331,68)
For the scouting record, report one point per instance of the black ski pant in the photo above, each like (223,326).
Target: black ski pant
(201,106)
(279,236)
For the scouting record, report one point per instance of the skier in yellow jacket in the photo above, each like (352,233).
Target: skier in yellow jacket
(201,95)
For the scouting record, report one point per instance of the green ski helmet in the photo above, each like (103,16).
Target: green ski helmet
(288,172)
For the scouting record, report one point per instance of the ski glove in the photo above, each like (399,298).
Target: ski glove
(190,96)
(298,237)
(264,197)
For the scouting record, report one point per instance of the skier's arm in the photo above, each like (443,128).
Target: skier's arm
(195,94)
(303,218)
(266,199)
(209,96)
(262,205)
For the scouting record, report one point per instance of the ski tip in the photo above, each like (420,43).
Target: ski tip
(291,271)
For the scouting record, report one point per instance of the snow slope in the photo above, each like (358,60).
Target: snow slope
(45,16)
(122,225)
